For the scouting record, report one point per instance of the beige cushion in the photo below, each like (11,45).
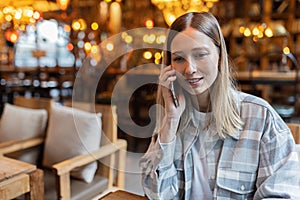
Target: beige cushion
(72,132)
(22,123)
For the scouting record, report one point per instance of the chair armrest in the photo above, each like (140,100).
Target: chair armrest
(63,169)
(17,145)
(67,165)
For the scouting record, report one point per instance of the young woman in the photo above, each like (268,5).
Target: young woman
(217,143)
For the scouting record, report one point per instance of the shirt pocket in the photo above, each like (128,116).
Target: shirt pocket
(235,184)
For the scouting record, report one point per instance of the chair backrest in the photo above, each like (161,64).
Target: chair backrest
(109,128)
(32,151)
(109,118)
(295,129)
(35,103)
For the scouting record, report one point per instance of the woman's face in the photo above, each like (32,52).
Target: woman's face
(196,58)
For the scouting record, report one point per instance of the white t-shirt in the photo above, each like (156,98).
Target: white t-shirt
(200,184)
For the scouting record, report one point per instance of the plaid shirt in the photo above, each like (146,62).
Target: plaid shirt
(259,162)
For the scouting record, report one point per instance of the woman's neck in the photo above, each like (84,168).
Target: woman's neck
(201,102)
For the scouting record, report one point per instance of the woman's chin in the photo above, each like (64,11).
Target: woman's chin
(195,91)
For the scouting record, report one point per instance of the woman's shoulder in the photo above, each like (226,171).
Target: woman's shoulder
(249,99)
(255,106)
(257,112)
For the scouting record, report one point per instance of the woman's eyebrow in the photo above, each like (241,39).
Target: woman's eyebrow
(200,48)
(193,50)
(177,53)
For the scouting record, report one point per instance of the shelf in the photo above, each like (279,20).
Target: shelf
(282,16)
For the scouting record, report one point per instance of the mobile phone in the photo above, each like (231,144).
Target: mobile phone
(175,100)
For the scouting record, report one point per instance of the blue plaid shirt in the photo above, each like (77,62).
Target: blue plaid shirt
(260,162)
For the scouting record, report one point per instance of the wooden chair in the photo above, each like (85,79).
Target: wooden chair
(35,103)
(110,144)
(110,147)
(295,129)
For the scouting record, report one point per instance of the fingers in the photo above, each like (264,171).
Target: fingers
(167,75)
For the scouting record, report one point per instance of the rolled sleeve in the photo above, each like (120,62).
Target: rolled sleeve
(168,150)
(159,177)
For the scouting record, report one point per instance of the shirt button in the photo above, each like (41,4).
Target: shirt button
(243,188)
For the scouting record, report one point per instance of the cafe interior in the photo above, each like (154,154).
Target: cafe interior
(63,62)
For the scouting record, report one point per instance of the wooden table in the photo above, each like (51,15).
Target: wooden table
(122,195)
(18,178)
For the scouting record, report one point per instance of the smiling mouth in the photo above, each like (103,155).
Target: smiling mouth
(193,81)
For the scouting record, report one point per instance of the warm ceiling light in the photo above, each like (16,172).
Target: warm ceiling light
(269,32)
(174,8)
(157,55)
(12,36)
(94,26)
(67,28)
(169,17)
(36,15)
(109,46)
(63,4)
(286,50)
(147,55)
(128,39)
(247,32)
(87,46)
(255,31)
(76,25)
(149,23)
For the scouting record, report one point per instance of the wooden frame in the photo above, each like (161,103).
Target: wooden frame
(295,129)
(110,146)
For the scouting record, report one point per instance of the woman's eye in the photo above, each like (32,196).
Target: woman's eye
(178,59)
(200,55)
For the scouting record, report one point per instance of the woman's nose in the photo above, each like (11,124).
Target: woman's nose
(191,67)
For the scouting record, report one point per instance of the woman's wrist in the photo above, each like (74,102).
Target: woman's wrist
(168,130)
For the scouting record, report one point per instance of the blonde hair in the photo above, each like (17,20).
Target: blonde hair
(224,106)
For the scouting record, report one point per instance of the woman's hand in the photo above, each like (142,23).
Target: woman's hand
(172,113)
(168,75)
